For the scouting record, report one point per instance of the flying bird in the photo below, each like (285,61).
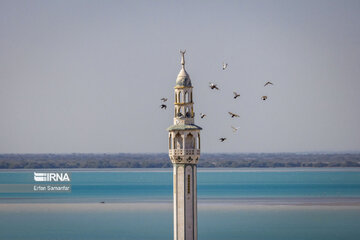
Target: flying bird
(202,115)
(164,99)
(213,85)
(268,83)
(233,114)
(163,106)
(264,98)
(236,95)
(235,128)
(222,139)
(225,65)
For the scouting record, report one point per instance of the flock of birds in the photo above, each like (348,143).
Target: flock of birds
(214,86)
(163,105)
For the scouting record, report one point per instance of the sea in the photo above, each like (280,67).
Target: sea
(249,204)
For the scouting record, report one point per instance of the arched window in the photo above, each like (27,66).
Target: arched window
(177,111)
(176,100)
(187,114)
(179,98)
(189,141)
(186,97)
(191,96)
(178,141)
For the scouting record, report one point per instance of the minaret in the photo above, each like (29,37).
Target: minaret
(184,152)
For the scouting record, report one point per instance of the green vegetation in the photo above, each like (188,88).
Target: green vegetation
(123,160)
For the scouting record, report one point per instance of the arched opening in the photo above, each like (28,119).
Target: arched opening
(170,145)
(189,141)
(179,98)
(178,141)
(178,112)
(191,97)
(176,100)
(199,140)
(187,114)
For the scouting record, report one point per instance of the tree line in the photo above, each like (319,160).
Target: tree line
(161,160)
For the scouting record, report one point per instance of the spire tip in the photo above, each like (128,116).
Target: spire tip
(182,57)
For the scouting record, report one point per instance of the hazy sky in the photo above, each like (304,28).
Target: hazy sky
(87,76)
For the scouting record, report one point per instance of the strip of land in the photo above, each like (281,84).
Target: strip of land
(161,160)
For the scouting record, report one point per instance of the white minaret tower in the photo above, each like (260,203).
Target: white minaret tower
(184,152)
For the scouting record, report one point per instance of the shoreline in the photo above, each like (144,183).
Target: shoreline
(200,169)
(114,207)
(219,204)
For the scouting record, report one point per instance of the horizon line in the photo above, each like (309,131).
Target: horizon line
(207,153)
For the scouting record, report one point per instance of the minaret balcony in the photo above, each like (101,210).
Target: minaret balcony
(182,152)
(184,156)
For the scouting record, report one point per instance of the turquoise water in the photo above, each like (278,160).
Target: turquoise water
(213,225)
(216,188)
(156,185)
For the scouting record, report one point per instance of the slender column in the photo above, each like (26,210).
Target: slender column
(184,135)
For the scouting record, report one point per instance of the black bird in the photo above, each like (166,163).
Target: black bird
(163,106)
(264,98)
(202,115)
(102,202)
(268,83)
(163,99)
(233,114)
(222,139)
(213,86)
(236,95)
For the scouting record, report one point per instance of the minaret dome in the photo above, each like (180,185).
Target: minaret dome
(183,78)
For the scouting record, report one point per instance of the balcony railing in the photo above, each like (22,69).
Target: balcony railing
(184,152)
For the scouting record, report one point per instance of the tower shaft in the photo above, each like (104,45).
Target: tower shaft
(185,202)
(184,153)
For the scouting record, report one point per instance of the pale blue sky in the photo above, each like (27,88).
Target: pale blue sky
(87,76)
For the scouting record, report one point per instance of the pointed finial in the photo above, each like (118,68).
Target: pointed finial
(183,58)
